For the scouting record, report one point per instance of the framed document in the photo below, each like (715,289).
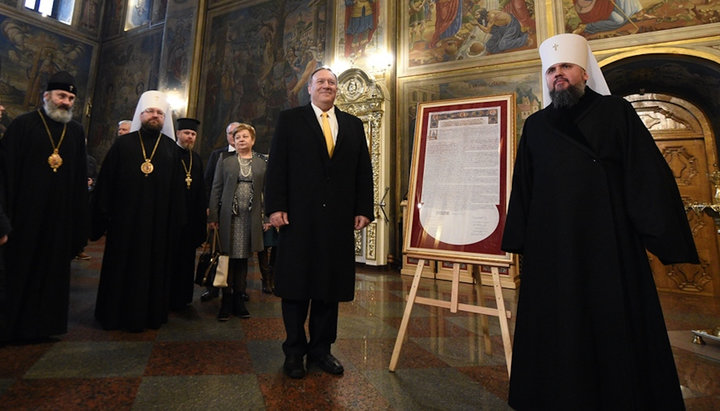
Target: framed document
(460,180)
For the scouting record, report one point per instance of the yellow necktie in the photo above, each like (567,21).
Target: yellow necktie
(328,134)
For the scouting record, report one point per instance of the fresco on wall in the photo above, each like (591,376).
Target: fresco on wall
(89,19)
(524,83)
(178,42)
(128,69)
(145,12)
(596,19)
(113,19)
(29,55)
(360,29)
(448,30)
(257,61)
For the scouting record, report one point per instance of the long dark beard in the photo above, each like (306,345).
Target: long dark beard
(150,127)
(568,97)
(59,114)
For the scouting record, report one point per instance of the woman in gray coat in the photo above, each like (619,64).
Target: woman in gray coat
(236,209)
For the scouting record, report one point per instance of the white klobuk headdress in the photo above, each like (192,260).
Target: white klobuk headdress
(571,48)
(158,100)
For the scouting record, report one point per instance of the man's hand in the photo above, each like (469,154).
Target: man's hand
(361,221)
(279,219)
(3,239)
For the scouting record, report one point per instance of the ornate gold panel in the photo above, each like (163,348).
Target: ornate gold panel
(684,138)
(360,95)
(682,164)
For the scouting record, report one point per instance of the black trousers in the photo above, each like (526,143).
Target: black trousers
(322,326)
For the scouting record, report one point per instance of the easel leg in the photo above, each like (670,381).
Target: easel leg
(406,315)
(484,323)
(503,317)
(455,287)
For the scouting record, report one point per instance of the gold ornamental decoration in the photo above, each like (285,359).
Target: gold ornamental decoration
(54,160)
(188,170)
(147,166)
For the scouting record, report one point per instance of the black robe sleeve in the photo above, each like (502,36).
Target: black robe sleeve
(102,194)
(653,199)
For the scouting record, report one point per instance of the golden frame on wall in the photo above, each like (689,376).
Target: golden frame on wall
(641,26)
(460,179)
(421,51)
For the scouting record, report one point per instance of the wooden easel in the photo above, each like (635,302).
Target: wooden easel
(454,307)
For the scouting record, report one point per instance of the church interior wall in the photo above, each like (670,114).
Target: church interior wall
(247,60)
(33,47)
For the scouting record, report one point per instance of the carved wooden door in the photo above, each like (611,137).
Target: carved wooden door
(684,137)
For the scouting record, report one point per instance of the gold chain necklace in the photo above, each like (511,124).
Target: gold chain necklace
(147,167)
(188,178)
(55,161)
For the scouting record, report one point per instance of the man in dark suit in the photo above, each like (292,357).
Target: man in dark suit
(318,189)
(217,154)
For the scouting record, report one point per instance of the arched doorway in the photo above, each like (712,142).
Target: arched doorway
(673,94)
(683,135)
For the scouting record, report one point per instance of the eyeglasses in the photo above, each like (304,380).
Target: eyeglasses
(152,111)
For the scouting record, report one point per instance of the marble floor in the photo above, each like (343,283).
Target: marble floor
(195,362)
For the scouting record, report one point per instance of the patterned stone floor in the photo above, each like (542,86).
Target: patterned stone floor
(195,362)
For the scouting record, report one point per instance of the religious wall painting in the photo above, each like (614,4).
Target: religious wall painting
(113,17)
(524,82)
(159,11)
(256,62)
(178,42)
(445,34)
(598,19)
(12,3)
(145,12)
(128,69)
(360,30)
(89,18)
(29,55)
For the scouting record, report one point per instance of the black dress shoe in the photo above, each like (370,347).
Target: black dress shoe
(240,310)
(223,316)
(329,364)
(294,367)
(208,295)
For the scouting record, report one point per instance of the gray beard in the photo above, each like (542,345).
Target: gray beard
(56,113)
(568,97)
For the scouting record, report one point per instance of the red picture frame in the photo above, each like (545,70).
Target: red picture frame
(460,180)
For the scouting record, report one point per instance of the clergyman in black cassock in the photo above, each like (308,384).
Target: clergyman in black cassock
(138,204)
(43,187)
(192,233)
(590,193)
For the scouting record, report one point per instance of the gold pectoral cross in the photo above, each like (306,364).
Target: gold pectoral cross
(188,180)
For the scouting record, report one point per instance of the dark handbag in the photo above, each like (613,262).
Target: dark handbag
(207,262)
